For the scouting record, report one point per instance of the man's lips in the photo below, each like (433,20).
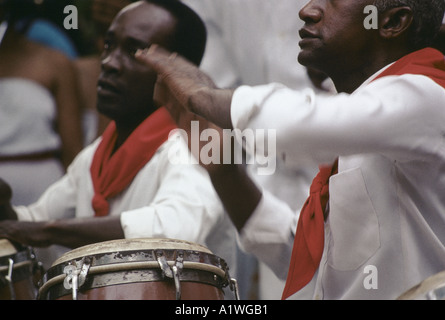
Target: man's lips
(106,86)
(305,33)
(307,36)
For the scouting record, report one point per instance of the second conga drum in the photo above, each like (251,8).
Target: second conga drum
(17,272)
(137,269)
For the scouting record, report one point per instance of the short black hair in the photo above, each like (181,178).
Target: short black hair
(190,37)
(427,18)
(18,9)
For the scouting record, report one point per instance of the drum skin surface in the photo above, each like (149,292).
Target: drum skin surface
(138,269)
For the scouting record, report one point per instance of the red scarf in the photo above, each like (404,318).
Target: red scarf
(112,174)
(309,238)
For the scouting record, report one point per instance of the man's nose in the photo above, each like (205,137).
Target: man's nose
(312,11)
(111,61)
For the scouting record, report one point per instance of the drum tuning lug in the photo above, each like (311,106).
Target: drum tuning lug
(177,282)
(180,261)
(76,274)
(86,263)
(166,271)
(8,278)
(172,272)
(232,283)
(70,281)
(234,288)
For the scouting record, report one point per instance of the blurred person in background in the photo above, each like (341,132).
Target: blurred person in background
(40,126)
(124,184)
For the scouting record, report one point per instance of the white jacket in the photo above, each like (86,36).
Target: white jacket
(387,203)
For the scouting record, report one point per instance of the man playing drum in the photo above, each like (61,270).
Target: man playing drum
(124,185)
(376,216)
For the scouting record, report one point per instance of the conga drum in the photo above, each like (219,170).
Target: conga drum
(432,288)
(17,268)
(137,269)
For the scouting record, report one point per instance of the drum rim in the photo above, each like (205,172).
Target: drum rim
(130,245)
(428,285)
(21,259)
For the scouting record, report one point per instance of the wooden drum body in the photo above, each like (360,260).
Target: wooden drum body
(137,269)
(17,267)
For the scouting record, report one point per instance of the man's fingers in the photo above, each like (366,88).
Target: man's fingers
(156,57)
(5,192)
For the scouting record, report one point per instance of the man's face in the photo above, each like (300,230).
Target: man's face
(125,86)
(334,35)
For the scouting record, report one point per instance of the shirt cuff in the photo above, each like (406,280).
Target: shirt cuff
(23,213)
(269,233)
(247,101)
(134,223)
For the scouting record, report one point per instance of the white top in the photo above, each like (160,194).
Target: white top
(164,200)
(27,118)
(387,209)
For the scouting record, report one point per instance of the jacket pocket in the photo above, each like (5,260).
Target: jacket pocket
(354,226)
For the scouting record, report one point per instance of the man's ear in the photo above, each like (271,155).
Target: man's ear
(395,22)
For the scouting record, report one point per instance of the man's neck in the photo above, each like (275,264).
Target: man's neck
(124,130)
(349,81)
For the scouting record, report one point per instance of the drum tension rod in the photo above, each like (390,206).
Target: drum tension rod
(8,278)
(76,274)
(174,271)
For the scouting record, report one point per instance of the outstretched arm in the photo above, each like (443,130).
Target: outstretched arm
(190,95)
(71,233)
(181,83)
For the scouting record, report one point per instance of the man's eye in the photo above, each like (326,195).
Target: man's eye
(107,46)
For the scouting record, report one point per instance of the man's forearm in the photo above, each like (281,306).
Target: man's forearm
(237,191)
(73,233)
(213,105)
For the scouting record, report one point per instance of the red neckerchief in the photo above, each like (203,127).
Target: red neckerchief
(309,238)
(112,174)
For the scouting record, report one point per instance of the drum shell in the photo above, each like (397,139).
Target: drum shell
(128,274)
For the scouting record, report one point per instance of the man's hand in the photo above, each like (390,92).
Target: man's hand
(24,232)
(182,85)
(6,211)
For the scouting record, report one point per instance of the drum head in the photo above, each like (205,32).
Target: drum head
(6,248)
(130,245)
(433,288)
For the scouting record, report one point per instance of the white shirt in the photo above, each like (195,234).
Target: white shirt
(387,209)
(164,200)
